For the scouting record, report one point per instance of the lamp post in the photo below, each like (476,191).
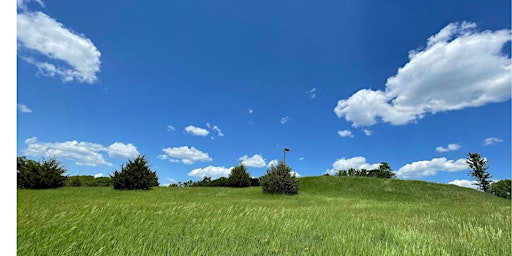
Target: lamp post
(285,150)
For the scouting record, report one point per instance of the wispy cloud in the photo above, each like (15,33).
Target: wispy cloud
(68,55)
(171,128)
(24,108)
(285,119)
(442,77)
(492,141)
(450,147)
(311,93)
(367,132)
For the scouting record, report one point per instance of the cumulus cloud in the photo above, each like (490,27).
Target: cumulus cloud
(345,133)
(67,54)
(464,183)
(367,132)
(215,129)
(82,153)
(450,147)
(185,154)
(272,163)
(492,141)
(197,131)
(253,161)
(431,167)
(357,162)
(98,175)
(213,172)
(122,151)
(24,108)
(459,68)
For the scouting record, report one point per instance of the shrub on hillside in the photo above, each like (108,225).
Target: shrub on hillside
(35,175)
(279,180)
(501,188)
(136,175)
(239,177)
(87,181)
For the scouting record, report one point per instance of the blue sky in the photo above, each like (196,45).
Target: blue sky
(198,87)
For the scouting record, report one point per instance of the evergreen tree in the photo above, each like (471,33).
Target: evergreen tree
(136,175)
(239,177)
(479,172)
(279,180)
(35,175)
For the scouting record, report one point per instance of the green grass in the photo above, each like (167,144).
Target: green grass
(329,216)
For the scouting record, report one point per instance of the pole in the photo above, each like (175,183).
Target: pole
(285,150)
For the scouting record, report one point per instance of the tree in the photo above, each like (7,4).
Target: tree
(136,175)
(279,180)
(479,172)
(501,188)
(35,175)
(239,177)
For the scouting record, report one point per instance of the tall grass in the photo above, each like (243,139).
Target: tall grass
(329,216)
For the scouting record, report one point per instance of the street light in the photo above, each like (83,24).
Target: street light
(285,150)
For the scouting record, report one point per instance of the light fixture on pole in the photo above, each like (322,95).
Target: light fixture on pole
(285,150)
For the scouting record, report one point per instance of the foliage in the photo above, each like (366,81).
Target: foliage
(279,180)
(87,181)
(501,188)
(136,175)
(384,171)
(239,177)
(479,172)
(40,175)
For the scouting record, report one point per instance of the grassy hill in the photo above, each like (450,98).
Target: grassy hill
(329,216)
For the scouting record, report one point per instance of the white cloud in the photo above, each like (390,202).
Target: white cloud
(185,154)
(492,141)
(82,153)
(295,173)
(367,132)
(24,108)
(213,172)
(171,128)
(357,163)
(272,163)
(40,33)
(345,133)
(196,131)
(464,183)
(122,151)
(459,68)
(284,119)
(98,175)
(215,129)
(311,93)
(250,111)
(450,147)
(431,167)
(253,161)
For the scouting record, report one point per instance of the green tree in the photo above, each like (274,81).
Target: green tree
(279,180)
(40,175)
(239,177)
(479,172)
(501,188)
(136,175)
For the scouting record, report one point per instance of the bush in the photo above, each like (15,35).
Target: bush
(35,175)
(279,180)
(501,188)
(239,177)
(87,181)
(136,175)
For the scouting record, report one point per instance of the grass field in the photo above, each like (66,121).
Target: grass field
(329,216)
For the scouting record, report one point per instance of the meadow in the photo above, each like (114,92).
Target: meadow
(330,216)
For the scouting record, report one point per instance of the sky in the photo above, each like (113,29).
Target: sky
(198,87)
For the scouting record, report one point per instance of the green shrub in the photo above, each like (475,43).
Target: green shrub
(136,175)
(35,175)
(279,180)
(239,177)
(501,188)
